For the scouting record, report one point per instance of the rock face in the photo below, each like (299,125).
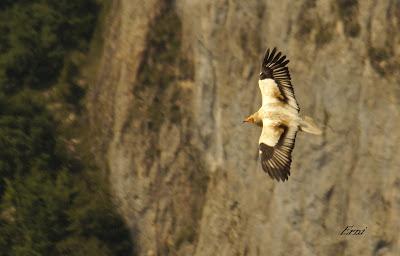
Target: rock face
(177,79)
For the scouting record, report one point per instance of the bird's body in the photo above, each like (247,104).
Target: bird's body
(279,116)
(273,111)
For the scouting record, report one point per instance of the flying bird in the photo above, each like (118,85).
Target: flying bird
(278,116)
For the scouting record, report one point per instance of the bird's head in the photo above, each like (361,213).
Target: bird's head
(249,119)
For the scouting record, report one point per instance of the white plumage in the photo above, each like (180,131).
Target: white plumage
(279,116)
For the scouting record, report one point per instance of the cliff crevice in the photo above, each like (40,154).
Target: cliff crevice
(175,82)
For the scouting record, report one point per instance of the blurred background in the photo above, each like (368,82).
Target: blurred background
(121,133)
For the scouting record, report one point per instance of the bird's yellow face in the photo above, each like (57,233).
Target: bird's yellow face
(249,119)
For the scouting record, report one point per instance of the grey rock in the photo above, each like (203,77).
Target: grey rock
(174,84)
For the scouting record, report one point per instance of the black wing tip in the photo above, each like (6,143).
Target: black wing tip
(273,59)
(273,55)
(280,172)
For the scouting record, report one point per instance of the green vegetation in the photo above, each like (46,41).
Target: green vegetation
(35,37)
(27,138)
(51,201)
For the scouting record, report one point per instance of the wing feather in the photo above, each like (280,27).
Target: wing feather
(274,67)
(276,145)
(270,133)
(270,92)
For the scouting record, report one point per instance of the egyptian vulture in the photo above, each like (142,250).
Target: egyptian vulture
(278,116)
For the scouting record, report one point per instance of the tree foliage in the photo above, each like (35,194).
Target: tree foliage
(27,137)
(59,216)
(35,35)
(49,205)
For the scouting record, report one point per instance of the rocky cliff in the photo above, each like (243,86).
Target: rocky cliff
(176,80)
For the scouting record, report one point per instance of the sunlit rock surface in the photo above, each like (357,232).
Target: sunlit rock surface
(174,84)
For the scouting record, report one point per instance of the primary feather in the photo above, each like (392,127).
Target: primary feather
(279,116)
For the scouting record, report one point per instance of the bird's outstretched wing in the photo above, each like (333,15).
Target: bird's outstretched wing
(275,146)
(275,84)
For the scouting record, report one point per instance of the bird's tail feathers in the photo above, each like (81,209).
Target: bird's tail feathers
(308,125)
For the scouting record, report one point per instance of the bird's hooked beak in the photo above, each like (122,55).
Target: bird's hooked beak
(248,120)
